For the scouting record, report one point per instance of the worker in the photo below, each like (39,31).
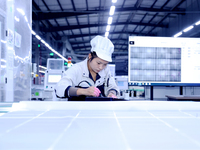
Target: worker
(91,77)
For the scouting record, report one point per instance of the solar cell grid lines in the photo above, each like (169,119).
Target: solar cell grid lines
(155,64)
(99,125)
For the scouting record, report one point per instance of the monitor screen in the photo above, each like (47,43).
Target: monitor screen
(164,61)
(54,78)
(122,82)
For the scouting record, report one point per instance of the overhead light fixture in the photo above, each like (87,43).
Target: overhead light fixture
(48,46)
(38,37)
(108,28)
(17,19)
(29,27)
(188,28)
(3,66)
(178,34)
(106,34)
(26,18)
(41,71)
(33,32)
(197,23)
(43,41)
(3,60)
(114,1)
(3,41)
(20,11)
(110,20)
(112,10)
(58,54)
(42,67)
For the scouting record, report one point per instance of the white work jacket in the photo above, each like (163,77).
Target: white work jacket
(78,76)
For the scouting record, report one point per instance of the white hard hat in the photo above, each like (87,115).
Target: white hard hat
(103,47)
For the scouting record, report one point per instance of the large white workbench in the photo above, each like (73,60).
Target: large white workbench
(124,125)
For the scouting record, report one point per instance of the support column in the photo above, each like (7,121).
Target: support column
(37,52)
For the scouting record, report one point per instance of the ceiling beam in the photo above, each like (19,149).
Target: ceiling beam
(35,10)
(110,33)
(46,15)
(61,28)
(166,15)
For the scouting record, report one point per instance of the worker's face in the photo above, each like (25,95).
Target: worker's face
(97,64)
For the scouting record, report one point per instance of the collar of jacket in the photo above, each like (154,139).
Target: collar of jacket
(86,71)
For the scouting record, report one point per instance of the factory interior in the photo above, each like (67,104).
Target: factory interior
(152,74)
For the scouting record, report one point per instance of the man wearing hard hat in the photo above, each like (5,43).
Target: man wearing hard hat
(92,76)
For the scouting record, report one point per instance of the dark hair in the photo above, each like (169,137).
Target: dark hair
(94,55)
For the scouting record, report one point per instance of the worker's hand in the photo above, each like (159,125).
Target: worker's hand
(112,95)
(92,91)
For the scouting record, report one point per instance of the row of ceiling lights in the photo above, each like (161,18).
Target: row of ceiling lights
(110,18)
(187,29)
(109,22)
(112,11)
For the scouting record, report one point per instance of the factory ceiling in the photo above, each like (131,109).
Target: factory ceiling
(69,25)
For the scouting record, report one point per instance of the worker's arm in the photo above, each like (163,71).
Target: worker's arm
(91,91)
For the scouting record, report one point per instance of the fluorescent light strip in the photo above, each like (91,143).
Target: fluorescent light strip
(41,71)
(10,48)
(29,27)
(25,18)
(33,32)
(43,41)
(42,67)
(3,41)
(178,34)
(110,20)
(38,37)
(58,54)
(3,60)
(47,45)
(106,34)
(108,28)
(188,28)
(20,11)
(197,23)
(3,66)
(112,10)
(18,57)
(114,1)
(17,19)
